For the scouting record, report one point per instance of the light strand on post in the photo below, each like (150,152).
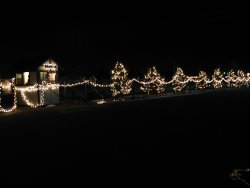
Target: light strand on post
(41,88)
(15,99)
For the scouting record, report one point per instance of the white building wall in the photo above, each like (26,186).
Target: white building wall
(51,96)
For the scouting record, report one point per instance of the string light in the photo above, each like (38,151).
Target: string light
(241,78)
(15,99)
(0,94)
(217,78)
(121,84)
(48,86)
(179,80)
(231,77)
(153,82)
(247,79)
(28,102)
(101,101)
(202,80)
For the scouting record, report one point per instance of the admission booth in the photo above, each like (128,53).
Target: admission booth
(33,73)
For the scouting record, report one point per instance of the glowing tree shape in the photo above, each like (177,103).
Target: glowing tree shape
(179,80)
(202,80)
(241,78)
(0,95)
(217,79)
(231,79)
(121,84)
(153,82)
(247,79)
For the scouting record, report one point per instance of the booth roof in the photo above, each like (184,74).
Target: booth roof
(28,65)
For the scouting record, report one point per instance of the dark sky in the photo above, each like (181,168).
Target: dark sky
(92,41)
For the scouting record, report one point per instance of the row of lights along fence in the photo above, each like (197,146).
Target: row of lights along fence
(153,83)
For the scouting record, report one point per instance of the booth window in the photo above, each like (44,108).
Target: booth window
(26,78)
(19,79)
(43,76)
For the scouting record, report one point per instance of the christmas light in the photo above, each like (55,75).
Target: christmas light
(101,101)
(247,79)
(180,80)
(48,86)
(231,78)
(27,101)
(241,78)
(217,78)
(153,83)
(0,94)
(202,80)
(15,99)
(121,84)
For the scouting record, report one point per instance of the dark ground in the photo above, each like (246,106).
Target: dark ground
(186,141)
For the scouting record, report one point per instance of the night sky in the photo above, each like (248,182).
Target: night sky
(90,41)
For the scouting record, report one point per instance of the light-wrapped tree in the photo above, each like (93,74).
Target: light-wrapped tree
(153,82)
(179,80)
(202,80)
(231,79)
(121,84)
(217,78)
(247,79)
(241,78)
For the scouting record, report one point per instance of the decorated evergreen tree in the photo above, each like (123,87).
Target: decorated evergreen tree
(0,94)
(153,82)
(179,80)
(217,78)
(247,79)
(121,84)
(241,78)
(231,78)
(202,80)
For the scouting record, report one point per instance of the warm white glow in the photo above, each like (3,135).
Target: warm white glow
(153,82)
(49,65)
(15,99)
(26,78)
(7,87)
(217,79)
(180,80)
(101,101)
(202,80)
(121,85)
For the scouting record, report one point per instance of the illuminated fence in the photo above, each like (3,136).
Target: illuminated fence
(152,81)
